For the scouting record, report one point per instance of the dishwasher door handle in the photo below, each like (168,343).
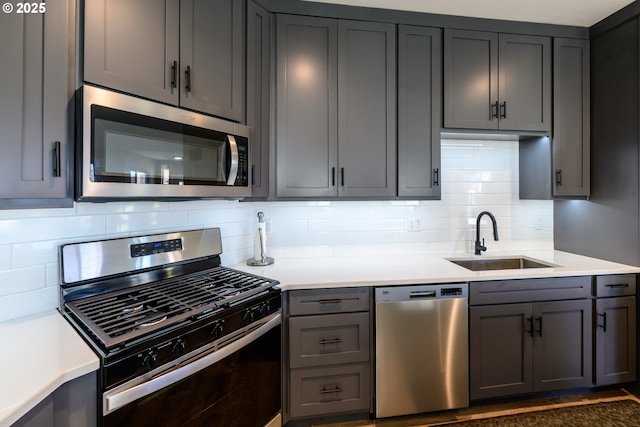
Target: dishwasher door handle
(423,294)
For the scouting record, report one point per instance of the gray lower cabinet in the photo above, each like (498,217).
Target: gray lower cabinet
(336,108)
(571,117)
(419,111)
(35,109)
(529,336)
(615,330)
(258,95)
(497,81)
(183,52)
(74,404)
(328,366)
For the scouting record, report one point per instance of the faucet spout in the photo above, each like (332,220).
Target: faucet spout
(480,247)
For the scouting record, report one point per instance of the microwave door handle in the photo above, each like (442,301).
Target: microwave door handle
(233,169)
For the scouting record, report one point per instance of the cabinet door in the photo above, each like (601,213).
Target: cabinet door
(470,79)
(133,46)
(258,96)
(571,124)
(367,109)
(306,81)
(562,345)
(419,111)
(615,335)
(212,57)
(500,346)
(35,92)
(524,82)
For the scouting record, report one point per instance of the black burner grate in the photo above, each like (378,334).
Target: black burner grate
(120,316)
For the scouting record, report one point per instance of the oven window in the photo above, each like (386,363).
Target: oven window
(136,149)
(241,390)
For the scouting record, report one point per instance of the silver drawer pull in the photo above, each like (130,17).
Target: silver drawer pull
(329,301)
(617,285)
(336,340)
(335,389)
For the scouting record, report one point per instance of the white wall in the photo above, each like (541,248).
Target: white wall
(477,175)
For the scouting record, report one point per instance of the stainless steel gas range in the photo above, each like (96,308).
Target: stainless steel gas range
(182,340)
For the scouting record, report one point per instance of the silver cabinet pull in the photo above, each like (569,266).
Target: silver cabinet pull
(335,389)
(335,340)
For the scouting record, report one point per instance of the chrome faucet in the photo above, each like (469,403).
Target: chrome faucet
(480,247)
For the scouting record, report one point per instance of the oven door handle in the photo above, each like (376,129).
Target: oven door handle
(117,398)
(233,168)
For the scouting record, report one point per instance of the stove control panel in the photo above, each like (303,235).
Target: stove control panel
(142,249)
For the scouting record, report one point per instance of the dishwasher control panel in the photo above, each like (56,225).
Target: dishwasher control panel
(451,292)
(421,292)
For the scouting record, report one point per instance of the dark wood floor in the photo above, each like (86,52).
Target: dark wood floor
(492,409)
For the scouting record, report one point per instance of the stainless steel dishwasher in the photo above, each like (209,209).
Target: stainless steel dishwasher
(422,349)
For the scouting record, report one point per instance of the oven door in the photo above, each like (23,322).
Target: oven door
(238,385)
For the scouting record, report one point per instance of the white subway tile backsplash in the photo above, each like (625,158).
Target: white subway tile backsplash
(25,303)
(5,257)
(22,280)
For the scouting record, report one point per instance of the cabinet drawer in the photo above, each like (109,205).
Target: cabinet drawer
(323,301)
(529,290)
(328,339)
(318,391)
(615,285)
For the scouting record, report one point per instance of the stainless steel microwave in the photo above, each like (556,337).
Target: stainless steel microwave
(134,149)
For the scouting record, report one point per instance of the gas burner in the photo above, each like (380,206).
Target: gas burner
(149,323)
(134,309)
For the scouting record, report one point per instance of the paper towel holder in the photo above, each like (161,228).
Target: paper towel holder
(260,257)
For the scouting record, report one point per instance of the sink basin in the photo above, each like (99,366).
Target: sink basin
(510,263)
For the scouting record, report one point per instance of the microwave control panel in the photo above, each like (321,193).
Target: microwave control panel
(242,179)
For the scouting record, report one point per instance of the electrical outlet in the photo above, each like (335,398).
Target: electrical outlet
(539,223)
(413,224)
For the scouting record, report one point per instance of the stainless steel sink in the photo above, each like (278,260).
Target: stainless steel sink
(510,263)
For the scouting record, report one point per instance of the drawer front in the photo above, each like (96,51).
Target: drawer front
(529,290)
(330,390)
(328,339)
(323,301)
(615,285)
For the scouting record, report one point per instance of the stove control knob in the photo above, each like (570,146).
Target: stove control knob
(179,347)
(264,309)
(151,360)
(217,329)
(249,316)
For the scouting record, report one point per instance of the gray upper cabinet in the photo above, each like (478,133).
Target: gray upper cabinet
(35,108)
(419,111)
(366,109)
(497,81)
(571,111)
(258,95)
(307,106)
(133,49)
(336,108)
(182,52)
(212,57)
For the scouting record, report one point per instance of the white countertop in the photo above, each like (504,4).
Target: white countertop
(386,270)
(41,352)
